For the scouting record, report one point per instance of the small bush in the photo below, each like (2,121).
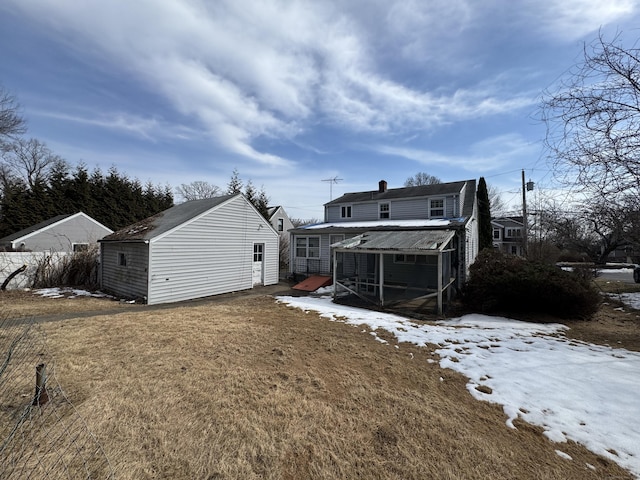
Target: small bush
(79,269)
(508,284)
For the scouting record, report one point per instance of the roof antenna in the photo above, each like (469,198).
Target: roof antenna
(331,182)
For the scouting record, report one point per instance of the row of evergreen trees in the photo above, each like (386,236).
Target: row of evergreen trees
(112,198)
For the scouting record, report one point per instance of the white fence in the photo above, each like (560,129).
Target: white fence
(12,261)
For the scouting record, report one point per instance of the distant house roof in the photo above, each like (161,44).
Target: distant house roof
(169,219)
(404,192)
(25,232)
(34,228)
(271,211)
(508,221)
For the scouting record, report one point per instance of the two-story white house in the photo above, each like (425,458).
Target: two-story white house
(508,234)
(389,246)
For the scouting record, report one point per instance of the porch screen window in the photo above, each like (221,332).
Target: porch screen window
(436,207)
(384,210)
(345,211)
(308,247)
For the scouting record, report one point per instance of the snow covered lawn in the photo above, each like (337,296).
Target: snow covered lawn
(573,390)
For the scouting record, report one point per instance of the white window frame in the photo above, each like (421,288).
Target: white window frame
(498,236)
(258,252)
(433,208)
(281,224)
(346,211)
(384,214)
(303,245)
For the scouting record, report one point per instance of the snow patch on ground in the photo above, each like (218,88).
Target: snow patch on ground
(573,390)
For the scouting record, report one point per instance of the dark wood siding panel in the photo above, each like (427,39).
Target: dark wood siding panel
(128,281)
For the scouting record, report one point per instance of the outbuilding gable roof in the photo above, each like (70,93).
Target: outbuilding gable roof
(169,219)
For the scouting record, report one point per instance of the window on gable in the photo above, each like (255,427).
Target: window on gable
(345,211)
(436,207)
(308,247)
(383,209)
(281,224)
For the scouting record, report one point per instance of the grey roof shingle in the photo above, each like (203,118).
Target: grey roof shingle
(162,222)
(404,192)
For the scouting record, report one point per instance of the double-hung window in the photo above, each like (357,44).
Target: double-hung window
(308,247)
(436,208)
(345,211)
(383,210)
(281,224)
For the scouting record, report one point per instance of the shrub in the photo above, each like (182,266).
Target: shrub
(79,269)
(507,284)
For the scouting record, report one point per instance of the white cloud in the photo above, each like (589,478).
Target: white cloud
(487,155)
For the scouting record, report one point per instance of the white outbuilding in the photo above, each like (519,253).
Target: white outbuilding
(192,250)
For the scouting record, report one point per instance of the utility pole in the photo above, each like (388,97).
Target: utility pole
(525,239)
(524,218)
(331,182)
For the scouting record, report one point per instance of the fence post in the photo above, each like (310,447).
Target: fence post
(41,396)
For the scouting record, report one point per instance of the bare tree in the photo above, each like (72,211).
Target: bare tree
(497,204)
(11,123)
(29,160)
(197,190)
(421,178)
(593,120)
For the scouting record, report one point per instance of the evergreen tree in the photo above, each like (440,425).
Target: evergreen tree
(485,232)
(235,184)
(262,203)
(250,192)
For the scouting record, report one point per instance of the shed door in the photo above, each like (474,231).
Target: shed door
(257,270)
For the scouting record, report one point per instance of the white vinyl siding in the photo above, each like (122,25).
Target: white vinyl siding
(212,254)
(63,235)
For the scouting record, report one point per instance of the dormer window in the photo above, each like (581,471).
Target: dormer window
(436,208)
(345,211)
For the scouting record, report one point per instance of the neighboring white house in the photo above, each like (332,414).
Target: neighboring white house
(64,233)
(192,250)
(393,245)
(508,234)
(280,221)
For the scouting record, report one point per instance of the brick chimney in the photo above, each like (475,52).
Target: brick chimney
(382,186)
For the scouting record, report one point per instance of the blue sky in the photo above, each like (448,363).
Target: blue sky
(291,93)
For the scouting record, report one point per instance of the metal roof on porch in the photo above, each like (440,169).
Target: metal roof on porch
(400,241)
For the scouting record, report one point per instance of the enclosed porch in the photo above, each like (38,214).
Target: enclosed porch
(412,269)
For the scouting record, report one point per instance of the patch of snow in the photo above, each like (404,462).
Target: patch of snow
(573,390)
(566,456)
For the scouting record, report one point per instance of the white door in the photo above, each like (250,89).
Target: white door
(257,270)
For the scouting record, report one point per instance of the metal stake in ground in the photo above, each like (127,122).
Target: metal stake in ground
(41,396)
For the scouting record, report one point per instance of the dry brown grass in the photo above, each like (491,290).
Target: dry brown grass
(248,388)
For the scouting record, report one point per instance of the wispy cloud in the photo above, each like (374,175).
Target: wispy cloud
(488,155)
(246,70)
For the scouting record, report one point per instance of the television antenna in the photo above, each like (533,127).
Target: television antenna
(331,182)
